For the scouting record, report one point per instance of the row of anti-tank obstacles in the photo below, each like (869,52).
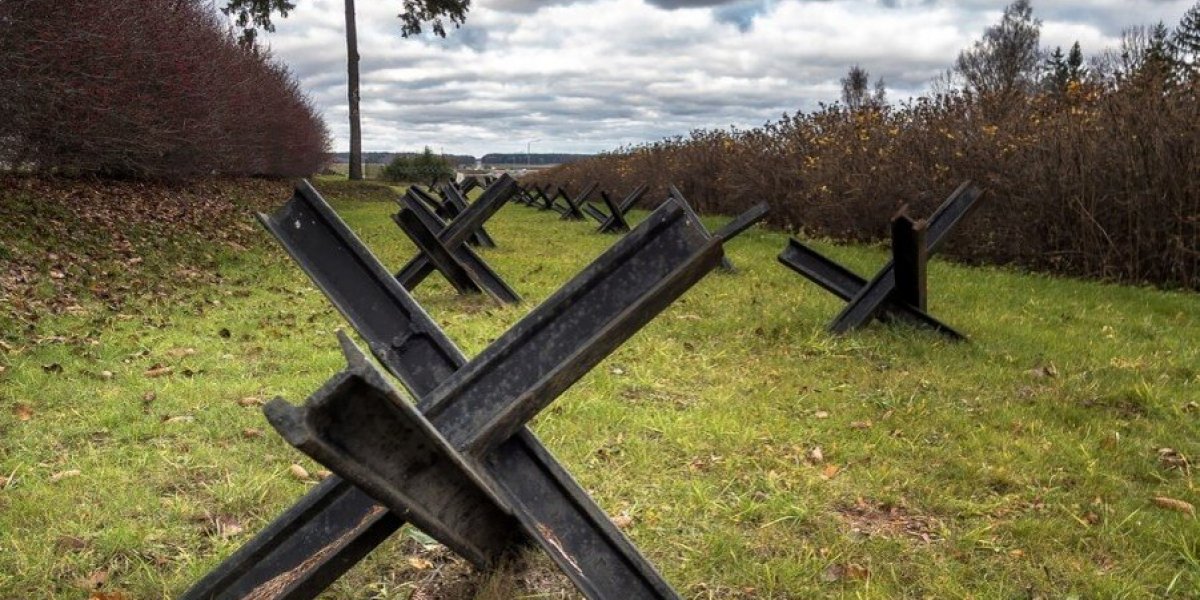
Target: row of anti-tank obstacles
(458,462)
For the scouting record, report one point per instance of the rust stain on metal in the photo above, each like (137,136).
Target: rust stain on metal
(553,539)
(281,582)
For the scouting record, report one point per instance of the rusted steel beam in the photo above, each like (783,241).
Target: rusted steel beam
(573,212)
(456,203)
(845,284)
(726,264)
(879,297)
(306,548)
(910,254)
(443,246)
(615,221)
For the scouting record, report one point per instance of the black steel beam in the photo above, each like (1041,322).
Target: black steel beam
(313,543)
(434,253)
(551,201)
(573,211)
(461,266)
(552,506)
(845,284)
(360,427)
(487,401)
(911,255)
(726,264)
(456,203)
(595,213)
(615,221)
(870,299)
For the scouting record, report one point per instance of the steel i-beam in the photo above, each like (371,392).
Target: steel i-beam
(336,524)
(877,298)
(726,264)
(456,203)
(615,222)
(443,246)
(573,212)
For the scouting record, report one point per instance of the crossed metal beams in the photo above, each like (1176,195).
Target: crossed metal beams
(573,210)
(453,202)
(443,246)
(614,221)
(898,291)
(473,414)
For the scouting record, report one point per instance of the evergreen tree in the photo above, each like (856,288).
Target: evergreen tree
(1076,72)
(1057,74)
(1185,43)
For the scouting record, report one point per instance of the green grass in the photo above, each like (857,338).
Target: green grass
(1021,464)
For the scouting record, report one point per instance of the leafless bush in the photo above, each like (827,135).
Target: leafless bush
(1101,181)
(146,88)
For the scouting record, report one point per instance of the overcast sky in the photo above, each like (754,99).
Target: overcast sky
(590,75)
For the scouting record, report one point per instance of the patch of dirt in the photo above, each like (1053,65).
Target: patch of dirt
(444,576)
(871,518)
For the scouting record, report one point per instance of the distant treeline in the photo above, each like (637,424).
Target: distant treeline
(1092,168)
(532,159)
(146,89)
(383,158)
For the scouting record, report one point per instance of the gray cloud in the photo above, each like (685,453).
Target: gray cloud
(590,75)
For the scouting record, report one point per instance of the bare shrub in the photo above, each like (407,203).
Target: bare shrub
(146,88)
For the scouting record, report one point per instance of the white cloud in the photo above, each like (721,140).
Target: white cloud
(593,74)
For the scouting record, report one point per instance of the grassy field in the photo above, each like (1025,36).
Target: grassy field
(747,452)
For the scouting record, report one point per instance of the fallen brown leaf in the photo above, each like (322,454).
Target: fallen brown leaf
(158,371)
(94,580)
(298,472)
(837,572)
(65,474)
(1043,372)
(1171,458)
(830,471)
(23,411)
(227,527)
(861,425)
(97,595)
(70,542)
(1175,505)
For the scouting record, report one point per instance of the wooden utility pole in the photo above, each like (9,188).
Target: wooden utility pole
(352,84)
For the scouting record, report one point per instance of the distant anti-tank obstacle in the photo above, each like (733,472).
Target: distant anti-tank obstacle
(448,203)
(460,464)
(443,246)
(573,210)
(614,221)
(898,291)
